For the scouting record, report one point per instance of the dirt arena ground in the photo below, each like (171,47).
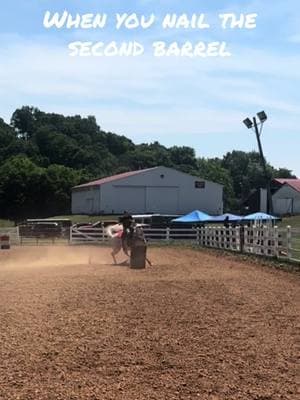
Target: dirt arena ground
(193,326)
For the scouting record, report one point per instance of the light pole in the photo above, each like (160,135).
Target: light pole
(250,124)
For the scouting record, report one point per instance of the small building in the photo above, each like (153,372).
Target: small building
(286,196)
(153,190)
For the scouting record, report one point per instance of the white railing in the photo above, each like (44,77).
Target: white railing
(13,233)
(266,241)
(220,237)
(293,243)
(258,240)
(217,237)
(87,235)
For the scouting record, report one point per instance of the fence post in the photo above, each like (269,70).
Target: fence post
(213,236)
(237,238)
(264,241)
(242,237)
(218,237)
(207,236)
(233,238)
(248,236)
(289,241)
(18,235)
(103,232)
(167,234)
(202,235)
(210,237)
(276,242)
(197,235)
(229,237)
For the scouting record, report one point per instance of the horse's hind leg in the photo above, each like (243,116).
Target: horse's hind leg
(116,249)
(114,258)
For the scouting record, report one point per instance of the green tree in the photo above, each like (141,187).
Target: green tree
(211,169)
(21,187)
(183,158)
(57,147)
(42,155)
(24,120)
(118,145)
(283,173)
(59,182)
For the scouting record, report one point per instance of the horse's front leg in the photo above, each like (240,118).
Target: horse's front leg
(114,258)
(125,247)
(116,248)
(125,250)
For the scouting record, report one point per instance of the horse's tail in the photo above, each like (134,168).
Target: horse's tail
(112,230)
(108,231)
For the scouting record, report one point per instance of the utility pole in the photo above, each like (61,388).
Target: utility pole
(250,124)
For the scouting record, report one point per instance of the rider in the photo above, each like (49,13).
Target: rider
(127,221)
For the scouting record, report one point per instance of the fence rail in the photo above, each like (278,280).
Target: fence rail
(260,240)
(13,233)
(267,241)
(294,243)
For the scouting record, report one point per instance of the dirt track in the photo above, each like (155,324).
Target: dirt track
(194,326)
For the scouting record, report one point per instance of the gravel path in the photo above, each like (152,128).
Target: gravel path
(194,326)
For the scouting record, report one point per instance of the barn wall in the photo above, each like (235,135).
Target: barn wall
(286,201)
(86,201)
(161,190)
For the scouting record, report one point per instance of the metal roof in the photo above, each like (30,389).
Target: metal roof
(294,183)
(113,178)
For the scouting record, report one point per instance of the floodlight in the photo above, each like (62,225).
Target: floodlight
(248,123)
(262,116)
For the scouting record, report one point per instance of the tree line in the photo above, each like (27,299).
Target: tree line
(43,155)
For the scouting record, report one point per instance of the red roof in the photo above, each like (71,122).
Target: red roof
(294,183)
(113,178)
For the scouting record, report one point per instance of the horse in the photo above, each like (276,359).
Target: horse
(121,239)
(115,233)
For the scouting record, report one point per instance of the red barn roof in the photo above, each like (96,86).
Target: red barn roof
(294,183)
(112,178)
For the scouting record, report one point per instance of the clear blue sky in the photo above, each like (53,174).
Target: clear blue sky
(178,101)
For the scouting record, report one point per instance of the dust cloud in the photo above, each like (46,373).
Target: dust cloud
(54,256)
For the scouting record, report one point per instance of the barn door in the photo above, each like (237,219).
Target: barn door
(163,200)
(283,206)
(130,198)
(90,206)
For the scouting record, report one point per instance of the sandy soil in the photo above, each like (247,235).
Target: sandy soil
(194,326)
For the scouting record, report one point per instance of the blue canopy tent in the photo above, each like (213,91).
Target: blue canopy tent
(194,216)
(259,216)
(227,217)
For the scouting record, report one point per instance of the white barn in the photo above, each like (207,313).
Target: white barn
(153,190)
(286,199)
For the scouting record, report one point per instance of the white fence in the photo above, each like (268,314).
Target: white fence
(259,240)
(87,235)
(224,238)
(13,234)
(293,239)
